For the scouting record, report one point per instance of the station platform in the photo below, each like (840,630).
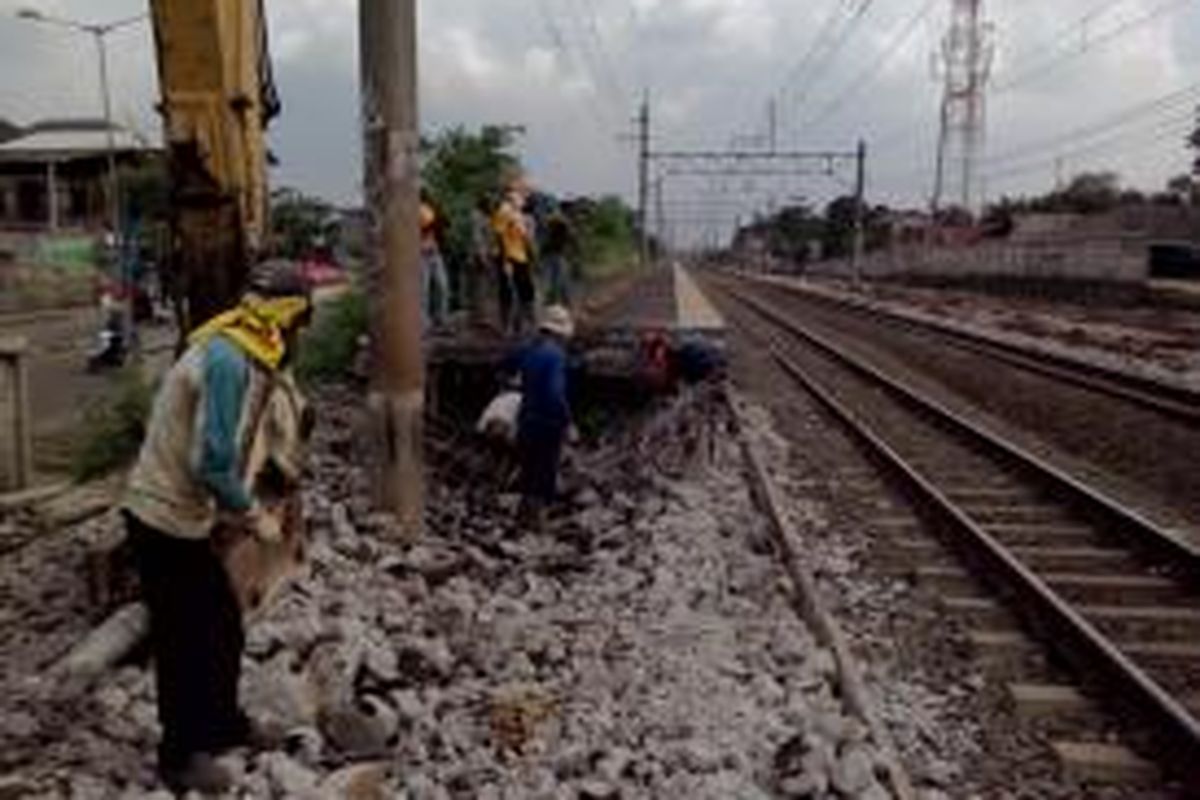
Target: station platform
(664,305)
(667,300)
(693,310)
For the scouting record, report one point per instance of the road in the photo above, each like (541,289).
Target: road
(60,389)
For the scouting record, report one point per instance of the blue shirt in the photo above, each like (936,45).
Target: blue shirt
(226,380)
(543,368)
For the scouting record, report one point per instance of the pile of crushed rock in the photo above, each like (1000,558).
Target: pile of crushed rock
(644,645)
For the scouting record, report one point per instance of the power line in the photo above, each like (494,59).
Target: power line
(824,56)
(898,133)
(599,44)
(868,76)
(559,39)
(1175,128)
(1178,125)
(1076,30)
(1125,117)
(1052,63)
(835,30)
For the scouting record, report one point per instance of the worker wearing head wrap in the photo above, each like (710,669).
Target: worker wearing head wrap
(229,395)
(544,418)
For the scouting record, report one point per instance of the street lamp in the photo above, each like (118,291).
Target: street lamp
(98,33)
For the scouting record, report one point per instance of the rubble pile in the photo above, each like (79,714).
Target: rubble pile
(643,645)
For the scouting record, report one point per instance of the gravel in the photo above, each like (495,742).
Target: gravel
(950,718)
(648,652)
(1149,340)
(1132,453)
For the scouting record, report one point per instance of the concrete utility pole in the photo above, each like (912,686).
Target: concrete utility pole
(967,51)
(773,125)
(391,134)
(1194,143)
(860,212)
(660,214)
(643,122)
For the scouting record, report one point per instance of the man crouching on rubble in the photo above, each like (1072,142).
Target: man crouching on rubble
(190,481)
(544,420)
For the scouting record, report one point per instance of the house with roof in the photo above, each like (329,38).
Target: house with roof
(54,175)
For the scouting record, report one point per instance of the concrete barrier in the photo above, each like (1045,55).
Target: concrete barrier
(1114,261)
(16,448)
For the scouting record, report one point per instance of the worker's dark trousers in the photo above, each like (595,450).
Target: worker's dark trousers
(540,450)
(506,295)
(526,294)
(196,640)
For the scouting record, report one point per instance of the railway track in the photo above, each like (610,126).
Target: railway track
(1171,400)
(1109,593)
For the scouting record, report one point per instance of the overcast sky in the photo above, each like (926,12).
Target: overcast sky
(572,71)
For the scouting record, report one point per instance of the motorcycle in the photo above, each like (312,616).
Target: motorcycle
(111,348)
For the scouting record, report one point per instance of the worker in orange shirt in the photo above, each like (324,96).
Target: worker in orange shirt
(515,277)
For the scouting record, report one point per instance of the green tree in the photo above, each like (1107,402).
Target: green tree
(1091,193)
(301,225)
(837,240)
(461,167)
(1185,188)
(606,231)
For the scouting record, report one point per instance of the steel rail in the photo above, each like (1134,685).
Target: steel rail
(1179,402)
(1137,529)
(1095,657)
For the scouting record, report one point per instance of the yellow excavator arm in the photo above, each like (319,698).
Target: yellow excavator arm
(218,97)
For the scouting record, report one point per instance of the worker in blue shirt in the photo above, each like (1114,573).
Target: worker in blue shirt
(545,417)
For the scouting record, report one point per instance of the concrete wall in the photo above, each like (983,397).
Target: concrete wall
(1100,260)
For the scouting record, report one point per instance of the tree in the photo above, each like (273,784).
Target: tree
(1090,193)
(462,167)
(1185,188)
(301,226)
(837,240)
(605,230)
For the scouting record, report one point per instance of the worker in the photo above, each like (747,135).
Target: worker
(558,248)
(435,285)
(188,495)
(517,294)
(544,419)
(485,254)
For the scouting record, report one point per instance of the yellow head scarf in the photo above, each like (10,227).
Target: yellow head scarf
(257,326)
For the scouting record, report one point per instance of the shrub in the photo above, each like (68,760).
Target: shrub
(114,427)
(329,347)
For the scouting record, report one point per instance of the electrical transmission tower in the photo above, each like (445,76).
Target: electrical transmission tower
(966,57)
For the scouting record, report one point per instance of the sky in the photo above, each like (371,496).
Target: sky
(572,72)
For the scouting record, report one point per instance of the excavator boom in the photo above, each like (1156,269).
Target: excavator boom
(218,97)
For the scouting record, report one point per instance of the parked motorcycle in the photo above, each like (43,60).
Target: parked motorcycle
(111,347)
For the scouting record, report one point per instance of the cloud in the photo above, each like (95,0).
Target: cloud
(572,72)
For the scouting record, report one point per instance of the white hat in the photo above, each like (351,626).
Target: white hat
(557,320)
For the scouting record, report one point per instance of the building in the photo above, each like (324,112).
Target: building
(54,176)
